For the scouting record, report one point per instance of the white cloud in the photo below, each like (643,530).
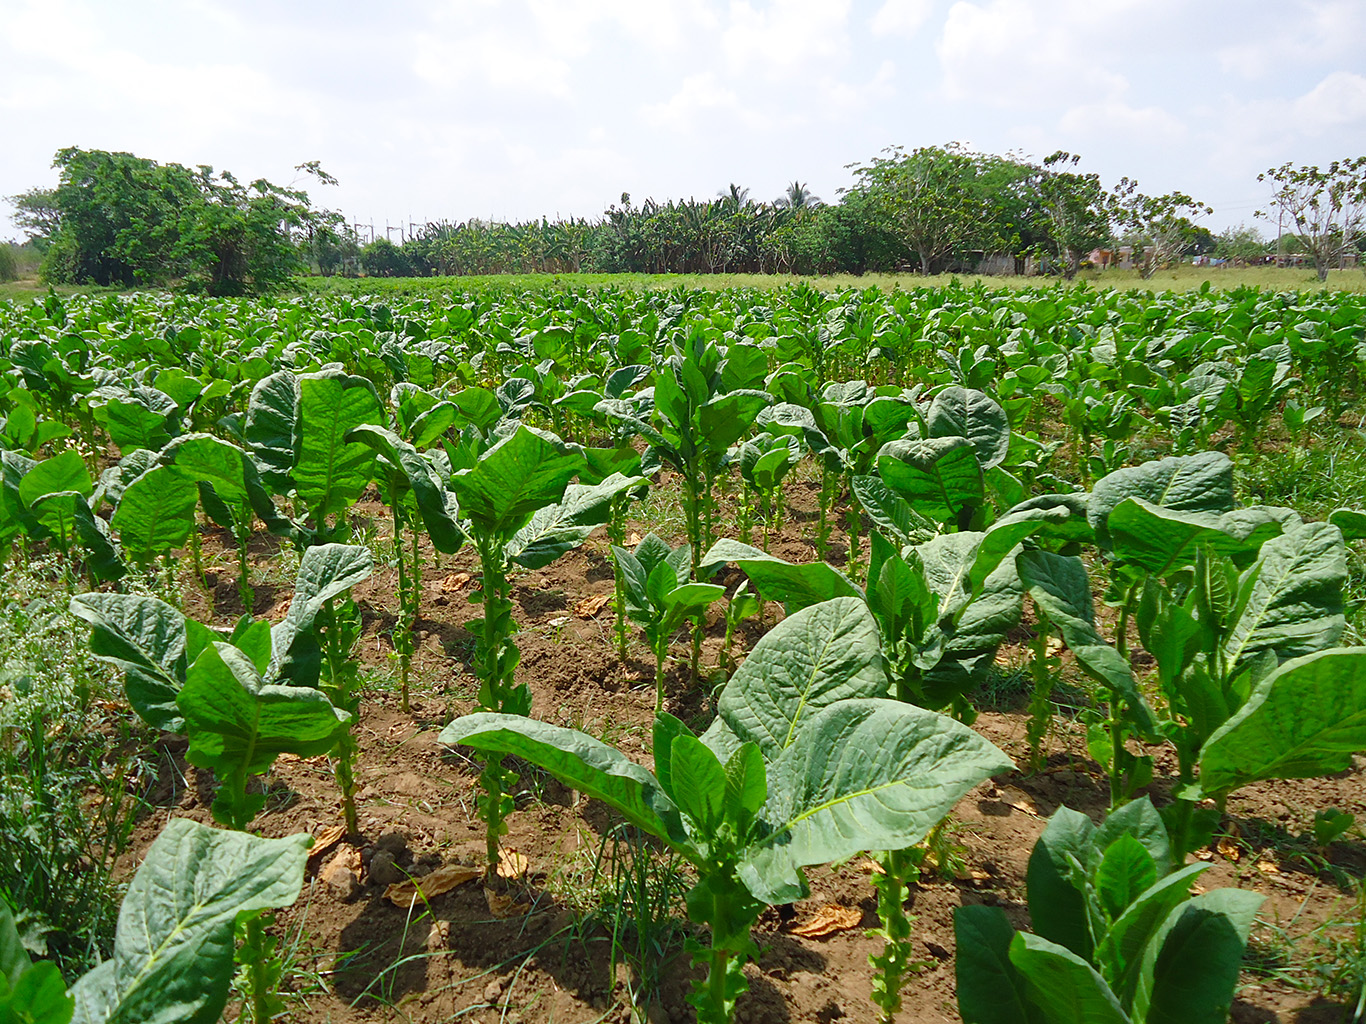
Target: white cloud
(700,96)
(1340,99)
(1010,52)
(1113,120)
(788,38)
(901,17)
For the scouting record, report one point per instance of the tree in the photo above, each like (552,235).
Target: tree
(928,198)
(1074,210)
(119,219)
(1326,207)
(1240,243)
(1163,224)
(797,197)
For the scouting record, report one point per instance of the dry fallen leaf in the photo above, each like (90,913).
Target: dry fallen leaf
(342,871)
(511,864)
(1268,867)
(870,867)
(325,840)
(455,581)
(504,906)
(280,610)
(442,880)
(634,539)
(590,606)
(1228,849)
(827,921)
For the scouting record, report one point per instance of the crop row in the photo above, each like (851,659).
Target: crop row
(990,446)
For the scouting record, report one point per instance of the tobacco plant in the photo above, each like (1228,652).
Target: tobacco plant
(782,780)
(173,948)
(1118,938)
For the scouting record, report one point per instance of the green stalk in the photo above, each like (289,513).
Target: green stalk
(1040,710)
(899,869)
(495,663)
(258,969)
(855,520)
(616,535)
(659,673)
(823,528)
(340,673)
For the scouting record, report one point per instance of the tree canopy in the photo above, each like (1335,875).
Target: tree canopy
(120,219)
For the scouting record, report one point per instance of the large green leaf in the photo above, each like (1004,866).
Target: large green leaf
(965,412)
(29,993)
(237,723)
(1056,906)
(229,470)
(64,472)
(558,528)
(434,502)
(330,473)
(724,420)
(938,477)
(1290,600)
(1190,967)
(1159,540)
(862,774)
(797,584)
(1187,483)
(990,989)
(272,426)
(14,514)
(512,480)
(1304,720)
(821,654)
(1065,987)
(890,512)
(325,571)
(580,761)
(151,642)
(156,513)
(1119,954)
(173,950)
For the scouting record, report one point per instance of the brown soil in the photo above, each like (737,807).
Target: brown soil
(361,958)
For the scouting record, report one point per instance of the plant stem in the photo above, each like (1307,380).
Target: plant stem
(899,869)
(1040,710)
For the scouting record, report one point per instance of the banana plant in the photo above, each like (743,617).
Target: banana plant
(802,767)
(173,946)
(660,595)
(1118,938)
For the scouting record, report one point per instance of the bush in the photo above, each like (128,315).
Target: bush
(9,262)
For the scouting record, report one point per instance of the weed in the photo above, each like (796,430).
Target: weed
(68,772)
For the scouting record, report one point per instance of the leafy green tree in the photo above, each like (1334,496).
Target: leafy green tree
(120,219)
(382,258)
(1240,243)
(928,198)
(1074,210)
(1326,206)
(1165,224)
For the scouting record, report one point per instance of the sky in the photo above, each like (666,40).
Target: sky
(451,109)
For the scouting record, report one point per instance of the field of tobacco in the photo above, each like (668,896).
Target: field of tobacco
(942,654)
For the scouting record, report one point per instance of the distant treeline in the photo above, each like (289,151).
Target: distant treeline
(117,219)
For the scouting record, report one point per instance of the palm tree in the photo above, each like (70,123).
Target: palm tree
(798,197)
(735,197)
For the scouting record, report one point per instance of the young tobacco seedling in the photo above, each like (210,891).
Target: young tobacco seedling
(659,595)
(1118,938)
(801,768)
